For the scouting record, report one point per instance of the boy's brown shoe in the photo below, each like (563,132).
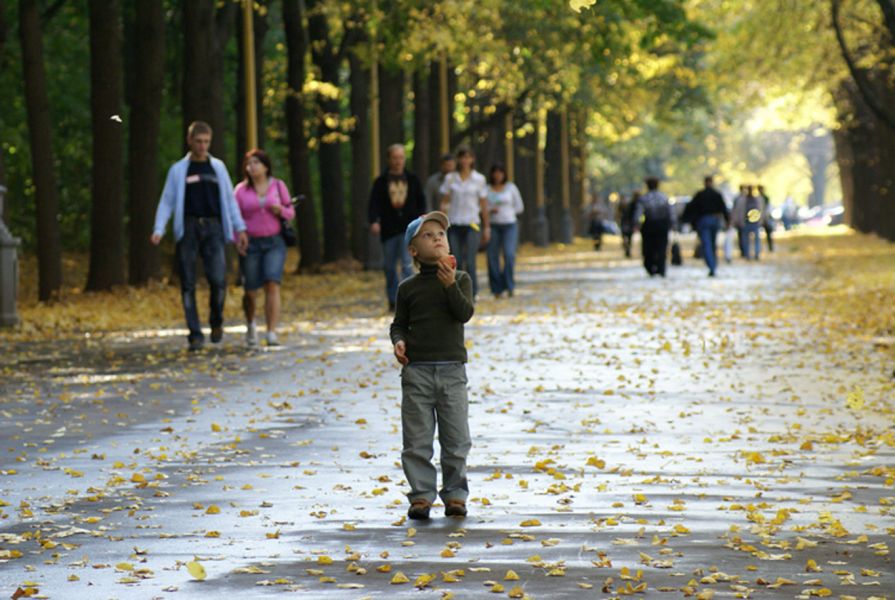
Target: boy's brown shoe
(455,508)
(419,510)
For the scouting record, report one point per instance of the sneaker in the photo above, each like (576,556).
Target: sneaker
(272,338)
(455,508)
(216,334)
(419,510)
(251,334)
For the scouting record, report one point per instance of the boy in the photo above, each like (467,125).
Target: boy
(427,333)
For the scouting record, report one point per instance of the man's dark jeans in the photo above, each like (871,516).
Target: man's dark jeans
(202,237)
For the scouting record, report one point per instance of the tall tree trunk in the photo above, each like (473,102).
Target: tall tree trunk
(422,135)
(391,106)
(325,55)
(49,259)
(3,33)
(145,120)
(107,213)
(261,25)
(554,174)
(206,33)
(525,150)
(361,174)
(299,155)
(436,148)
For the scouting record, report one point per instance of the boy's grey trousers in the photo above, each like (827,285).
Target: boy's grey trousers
(435,394)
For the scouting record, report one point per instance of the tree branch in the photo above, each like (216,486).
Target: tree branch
(888,8)
(857,74)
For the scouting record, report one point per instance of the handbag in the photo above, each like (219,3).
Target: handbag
(287,231)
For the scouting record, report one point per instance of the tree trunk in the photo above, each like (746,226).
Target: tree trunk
(525,150)
(437,146)
(361,174)
(205,37)
(145,115)
(299,155)
(391,107)
(329,154)
(49,259)
(107,213)
(261,25)
(554,174)
(422,134)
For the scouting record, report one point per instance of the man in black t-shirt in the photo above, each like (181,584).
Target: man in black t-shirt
(396,199)
(705,212)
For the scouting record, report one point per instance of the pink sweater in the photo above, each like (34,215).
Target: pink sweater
(261,222)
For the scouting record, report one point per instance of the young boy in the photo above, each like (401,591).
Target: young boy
(427,333)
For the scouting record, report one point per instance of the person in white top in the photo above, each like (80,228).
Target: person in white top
(464,199)
(504,203)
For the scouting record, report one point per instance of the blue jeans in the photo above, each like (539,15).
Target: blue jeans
(752,236)
(263,261)
(503,238)
(394,250)
(202,237)
(707,227)
(464,241)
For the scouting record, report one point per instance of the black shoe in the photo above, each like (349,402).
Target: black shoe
(455,508)
(196,344)
(419,510)
(216,334)
(711,273)
(391,307)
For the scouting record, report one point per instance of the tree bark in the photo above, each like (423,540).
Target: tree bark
(422,134)
(205,36)
(391,106)
(107,213)
(554,174)
(145,122)
(49,258)
(525,150)
(262,25)
(329,154)
(361,174)
(299,155)
(437,146)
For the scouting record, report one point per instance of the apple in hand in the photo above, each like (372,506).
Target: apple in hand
(450,260)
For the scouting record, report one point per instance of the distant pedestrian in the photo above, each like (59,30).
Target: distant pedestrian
(395,200)
(706,211)
(654,218)
(504,204)
(464,197)
(626,211)
(428,338)
(768,223)
(433,184)
(264,203)
(199,195)
(737,219)
(595,217)
(749,213)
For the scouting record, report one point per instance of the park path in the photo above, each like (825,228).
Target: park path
(632,436)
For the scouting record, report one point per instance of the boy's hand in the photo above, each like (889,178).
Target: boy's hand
(401,353)
(447,270)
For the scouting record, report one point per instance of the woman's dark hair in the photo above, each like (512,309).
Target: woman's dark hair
(497,168)
(262,157)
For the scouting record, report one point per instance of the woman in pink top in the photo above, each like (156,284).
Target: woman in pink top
(263,201)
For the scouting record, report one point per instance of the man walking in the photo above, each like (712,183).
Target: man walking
(199,195)
(433,184)
(654,218)
(705,212)
(395,200)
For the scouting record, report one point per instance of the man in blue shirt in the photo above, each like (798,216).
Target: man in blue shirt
(199,195)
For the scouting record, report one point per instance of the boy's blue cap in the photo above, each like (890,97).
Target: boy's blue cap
(414,227)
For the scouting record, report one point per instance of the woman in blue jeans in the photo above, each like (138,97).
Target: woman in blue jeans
(504,205)
(263,202)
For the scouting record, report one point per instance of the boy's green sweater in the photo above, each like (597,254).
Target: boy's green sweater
(429,317)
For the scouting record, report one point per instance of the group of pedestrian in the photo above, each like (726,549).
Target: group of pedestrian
(482,212)
(653,215)
(208,213)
